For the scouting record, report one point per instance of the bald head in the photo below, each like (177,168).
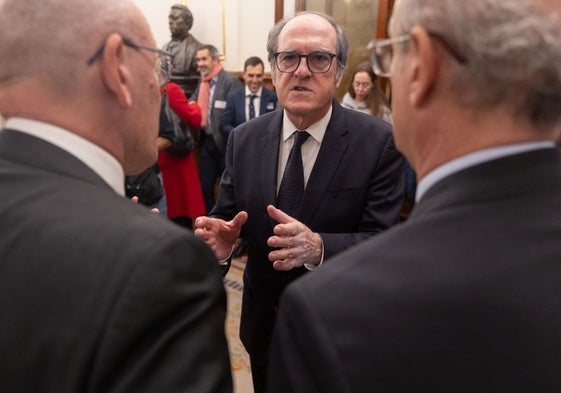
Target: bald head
(52,39)
(112,101)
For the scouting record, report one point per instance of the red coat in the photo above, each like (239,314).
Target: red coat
(180,174)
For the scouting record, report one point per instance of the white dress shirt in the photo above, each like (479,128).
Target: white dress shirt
(256,101)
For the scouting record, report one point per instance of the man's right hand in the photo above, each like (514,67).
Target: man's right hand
(220,235)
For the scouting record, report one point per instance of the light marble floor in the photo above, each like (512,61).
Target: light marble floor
(241,369)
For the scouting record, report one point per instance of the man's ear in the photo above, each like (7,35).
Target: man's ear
(115,73)
(424,71)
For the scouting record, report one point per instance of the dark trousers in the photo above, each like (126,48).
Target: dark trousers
(211,166)
(259,376)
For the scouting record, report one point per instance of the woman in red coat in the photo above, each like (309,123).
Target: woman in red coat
(180,175)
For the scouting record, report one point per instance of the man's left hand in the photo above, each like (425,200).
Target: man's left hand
(296,243)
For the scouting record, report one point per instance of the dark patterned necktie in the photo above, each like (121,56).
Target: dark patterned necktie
(251,107)
(291,189)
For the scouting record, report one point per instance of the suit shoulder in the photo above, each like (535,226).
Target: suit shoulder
(236,93)
(258,125)
(357,120)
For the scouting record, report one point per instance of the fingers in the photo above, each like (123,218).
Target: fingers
(202,222)
(240,219)
(203,228)
(279,216)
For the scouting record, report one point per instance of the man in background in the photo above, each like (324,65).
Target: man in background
(464,296)
(214,86)
(344,181)
(97,293)
(250,101)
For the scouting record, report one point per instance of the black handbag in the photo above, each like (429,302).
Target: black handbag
(146,186)
(183,141)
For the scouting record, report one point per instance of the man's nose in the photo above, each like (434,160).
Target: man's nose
(303,67)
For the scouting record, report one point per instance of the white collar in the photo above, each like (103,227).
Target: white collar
(316,130)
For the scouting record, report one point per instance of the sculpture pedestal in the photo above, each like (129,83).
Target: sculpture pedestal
(186,82)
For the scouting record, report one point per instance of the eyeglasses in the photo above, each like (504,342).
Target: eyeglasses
(381,52)
(318,62)
(162,64)
(364,85)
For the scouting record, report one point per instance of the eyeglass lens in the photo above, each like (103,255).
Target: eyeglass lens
(317,62)
(364,85)
(382,59)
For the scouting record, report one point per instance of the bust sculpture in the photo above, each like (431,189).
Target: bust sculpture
(184,46)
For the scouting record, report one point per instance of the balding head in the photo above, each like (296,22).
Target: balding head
(45,75)
(52,38)
(512,50)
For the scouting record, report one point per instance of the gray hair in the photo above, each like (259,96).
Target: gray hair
(342,48)
(512,48)
(52,39)
(212,51)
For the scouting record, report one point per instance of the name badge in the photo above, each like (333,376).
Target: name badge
(219,104)
(270,106)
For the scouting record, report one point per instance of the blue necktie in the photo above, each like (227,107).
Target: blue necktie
(291,189)
(251,106)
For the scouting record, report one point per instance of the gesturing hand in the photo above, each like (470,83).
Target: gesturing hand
(296,243)
(220,235)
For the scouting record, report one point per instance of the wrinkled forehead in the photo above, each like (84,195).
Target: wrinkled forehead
(308,30)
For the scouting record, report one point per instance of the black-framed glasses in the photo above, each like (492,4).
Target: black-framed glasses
(162,64)
(381,52)
(318,62)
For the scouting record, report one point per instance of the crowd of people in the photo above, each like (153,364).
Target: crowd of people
(340,295)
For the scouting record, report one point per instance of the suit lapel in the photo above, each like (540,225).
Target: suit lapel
(269,158)
(239,107)
(331,153)
(264,102)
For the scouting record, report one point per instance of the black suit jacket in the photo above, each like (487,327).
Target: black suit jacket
(355,190)
(234,114)
(98,294)
(465,296)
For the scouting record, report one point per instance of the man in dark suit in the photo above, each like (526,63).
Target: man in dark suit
(250,101)
(465,296)
(214,86)
(352,173)
(97,294)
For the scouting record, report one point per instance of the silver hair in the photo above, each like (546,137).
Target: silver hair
(52,39)
(512,48)
(212,51)
(342,47)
